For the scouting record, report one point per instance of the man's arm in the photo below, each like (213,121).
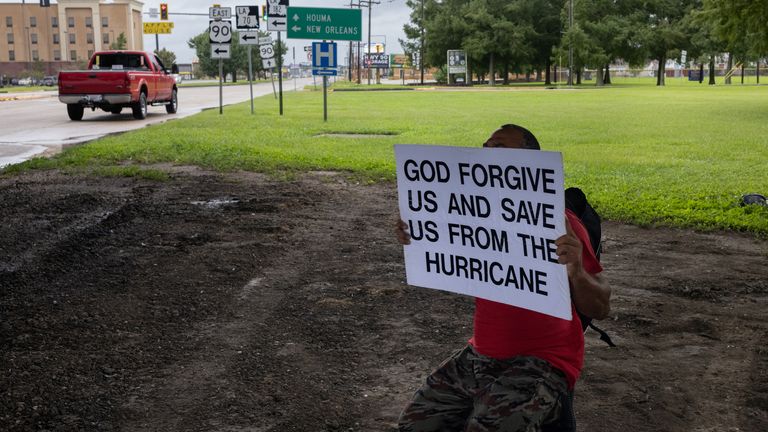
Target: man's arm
(590,293)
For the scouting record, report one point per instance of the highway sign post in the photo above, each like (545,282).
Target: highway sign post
(220,37)
(325,23)
(247,17)
(277,11)
(220,13)
(247,21)
(324,63)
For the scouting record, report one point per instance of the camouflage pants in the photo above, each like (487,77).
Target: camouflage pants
(471,392)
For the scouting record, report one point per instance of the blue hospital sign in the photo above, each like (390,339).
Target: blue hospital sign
(324,55)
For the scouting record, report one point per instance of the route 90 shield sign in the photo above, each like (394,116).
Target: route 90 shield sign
(220,32)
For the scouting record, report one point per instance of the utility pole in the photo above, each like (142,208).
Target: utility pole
(421,44)
(351,54)
(370,4)
(570,43)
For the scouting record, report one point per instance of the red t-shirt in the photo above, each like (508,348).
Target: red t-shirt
(504,331)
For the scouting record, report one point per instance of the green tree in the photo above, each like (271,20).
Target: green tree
(120,43)
(237,63)
(167,57)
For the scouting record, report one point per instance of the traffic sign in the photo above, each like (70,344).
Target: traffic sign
(266,51)
(325,72)
(264,40)
(220,51)
(249,37)
(324,55)
(325,23)
(220,32)
(247,17)
(268,63)
(219,13)
(277,10)
(158,27)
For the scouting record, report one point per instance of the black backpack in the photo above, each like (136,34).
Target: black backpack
(576,201)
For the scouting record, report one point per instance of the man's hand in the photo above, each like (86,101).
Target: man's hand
(569,250)
(590,293)
(401,230)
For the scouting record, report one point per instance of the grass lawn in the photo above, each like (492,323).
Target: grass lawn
(679,155)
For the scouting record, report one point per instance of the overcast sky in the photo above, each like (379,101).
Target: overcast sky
(387,23)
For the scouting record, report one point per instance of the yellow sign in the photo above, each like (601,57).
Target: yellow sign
(158,27)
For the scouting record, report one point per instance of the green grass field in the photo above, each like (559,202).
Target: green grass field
(679,155)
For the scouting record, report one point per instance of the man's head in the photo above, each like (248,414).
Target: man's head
(512,136)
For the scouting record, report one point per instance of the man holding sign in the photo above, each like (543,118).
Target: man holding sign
(492,224)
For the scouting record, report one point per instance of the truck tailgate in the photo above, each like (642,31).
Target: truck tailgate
(93,82)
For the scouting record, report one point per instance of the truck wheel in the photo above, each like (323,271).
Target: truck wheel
(140,107)
(116,110)
(174,105)
(75,112)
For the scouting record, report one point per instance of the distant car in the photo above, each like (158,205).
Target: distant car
(14,81)
(50,81)
(25,81)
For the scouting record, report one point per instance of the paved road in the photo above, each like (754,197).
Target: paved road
(38,124)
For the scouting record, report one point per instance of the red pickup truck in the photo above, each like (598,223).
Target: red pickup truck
(116,80)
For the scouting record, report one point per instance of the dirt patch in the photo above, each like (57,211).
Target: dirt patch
(236,303)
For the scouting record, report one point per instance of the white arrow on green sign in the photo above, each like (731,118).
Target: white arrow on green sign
(325,23)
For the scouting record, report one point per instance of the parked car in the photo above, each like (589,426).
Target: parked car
(50,81)
(116,80)
(25,81)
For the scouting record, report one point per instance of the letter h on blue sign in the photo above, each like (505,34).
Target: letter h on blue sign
(324,54)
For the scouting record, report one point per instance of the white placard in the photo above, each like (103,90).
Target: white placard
(220,51)
(220,32)
(249,37)
(220,13)
(268,63)
(266,51)
(483,222)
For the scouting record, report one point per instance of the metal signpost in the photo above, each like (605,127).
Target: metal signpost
(248,23)
(324,63)
(457,64)
(220,36)
(324,23)
(277,10)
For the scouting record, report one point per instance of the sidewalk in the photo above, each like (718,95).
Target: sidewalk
(11,95)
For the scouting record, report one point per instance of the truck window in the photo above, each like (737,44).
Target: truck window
(120,61)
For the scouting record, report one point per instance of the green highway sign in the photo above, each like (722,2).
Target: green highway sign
(325,23)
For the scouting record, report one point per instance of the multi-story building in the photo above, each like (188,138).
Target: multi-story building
(65,34)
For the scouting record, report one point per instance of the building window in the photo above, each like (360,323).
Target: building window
(10,38)
(9,21)
(73,55)
(55,22)
(88,22)
(33,36)
(12,55)
(105,22)
(72,39)
(56,40)
(105,38)
(71,22)
(90,53)
(33,21)
(35,55)
(56,55)
(89,38)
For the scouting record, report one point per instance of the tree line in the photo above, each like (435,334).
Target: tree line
(528,36)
